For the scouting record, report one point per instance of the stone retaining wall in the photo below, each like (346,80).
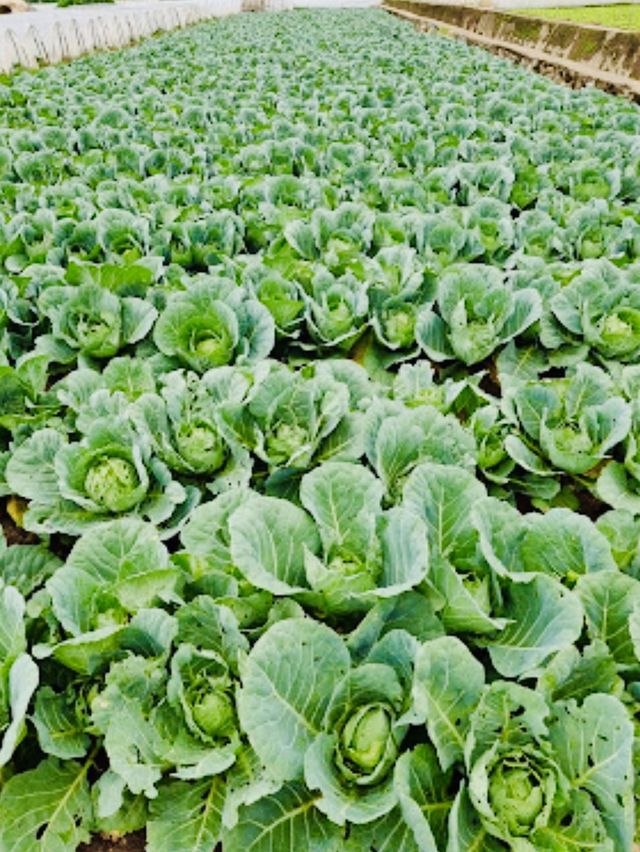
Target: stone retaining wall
(615,52)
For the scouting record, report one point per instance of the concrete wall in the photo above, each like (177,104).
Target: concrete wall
(613,54)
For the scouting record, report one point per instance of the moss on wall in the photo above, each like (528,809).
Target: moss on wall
(563,39)
(586,44)
(527,29)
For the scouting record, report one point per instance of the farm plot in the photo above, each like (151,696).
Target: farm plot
(624,16)
(320,447)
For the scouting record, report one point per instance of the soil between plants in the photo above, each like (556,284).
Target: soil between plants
(130,843)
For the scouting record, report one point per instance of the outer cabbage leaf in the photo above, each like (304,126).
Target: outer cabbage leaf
(19,674)
(543,618)
(288,681)
(447,687)
(593,746)
(59,813)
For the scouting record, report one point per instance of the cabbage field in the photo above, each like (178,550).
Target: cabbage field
(320,447)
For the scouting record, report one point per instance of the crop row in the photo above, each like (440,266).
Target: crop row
(320,444)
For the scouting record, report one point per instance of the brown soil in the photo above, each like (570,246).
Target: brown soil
(130,843)
(12,532)
(9,6)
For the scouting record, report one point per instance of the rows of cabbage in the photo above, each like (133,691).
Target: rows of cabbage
(319,427)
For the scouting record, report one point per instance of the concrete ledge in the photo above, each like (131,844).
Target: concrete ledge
(606,57)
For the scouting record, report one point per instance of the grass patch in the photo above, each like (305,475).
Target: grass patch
(624,17)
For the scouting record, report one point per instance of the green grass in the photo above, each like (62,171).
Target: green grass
(625,17)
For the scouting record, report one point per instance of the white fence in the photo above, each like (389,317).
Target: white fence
(281,5)
(50,35)
(335,4)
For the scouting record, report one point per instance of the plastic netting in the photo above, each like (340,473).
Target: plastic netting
(46,37)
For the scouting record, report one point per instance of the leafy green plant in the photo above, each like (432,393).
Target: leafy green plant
(319,428)
(110,471)
(476,314)
(575,421)
(213,324)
